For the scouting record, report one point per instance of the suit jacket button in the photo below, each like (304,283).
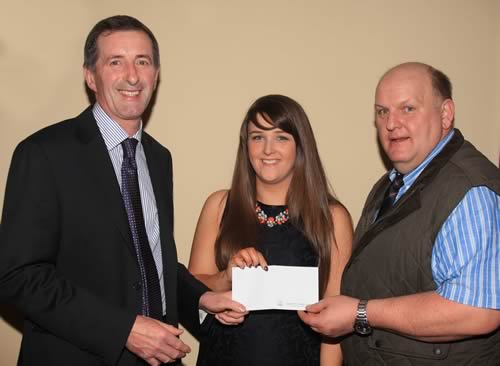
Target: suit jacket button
(137,285)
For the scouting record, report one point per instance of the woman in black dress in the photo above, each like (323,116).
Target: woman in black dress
(280,211)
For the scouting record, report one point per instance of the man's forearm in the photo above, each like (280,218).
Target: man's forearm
(430,317)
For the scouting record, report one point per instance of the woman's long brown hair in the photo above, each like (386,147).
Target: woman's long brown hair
(308,198)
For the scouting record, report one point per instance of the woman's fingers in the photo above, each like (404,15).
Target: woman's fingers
(230,317)
(249,257)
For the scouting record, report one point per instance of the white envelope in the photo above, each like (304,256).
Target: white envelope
(281,287)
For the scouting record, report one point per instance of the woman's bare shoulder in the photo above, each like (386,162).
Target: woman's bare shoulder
(216,202)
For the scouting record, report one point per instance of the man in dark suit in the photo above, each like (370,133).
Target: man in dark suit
(89,270)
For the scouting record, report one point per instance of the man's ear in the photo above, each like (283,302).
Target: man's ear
(447,114)
(89,79)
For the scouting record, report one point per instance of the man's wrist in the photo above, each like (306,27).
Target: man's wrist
(361,324)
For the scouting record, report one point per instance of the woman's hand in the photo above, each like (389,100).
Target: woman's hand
(247,257)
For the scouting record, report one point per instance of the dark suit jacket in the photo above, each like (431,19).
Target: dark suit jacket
(66,253)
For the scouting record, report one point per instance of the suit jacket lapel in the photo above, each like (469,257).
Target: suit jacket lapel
(159,166)
(97,163)
(161,182)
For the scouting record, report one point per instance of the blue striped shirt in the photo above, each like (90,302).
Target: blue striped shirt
(466,252)
(113,135)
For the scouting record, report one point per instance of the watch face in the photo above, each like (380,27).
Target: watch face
(362,328)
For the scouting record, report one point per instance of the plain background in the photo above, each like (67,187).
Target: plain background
(219,56)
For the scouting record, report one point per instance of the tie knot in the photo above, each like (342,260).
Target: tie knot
(129,146)
(397,181)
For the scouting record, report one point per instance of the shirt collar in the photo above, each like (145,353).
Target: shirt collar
(410,177)
(112,133)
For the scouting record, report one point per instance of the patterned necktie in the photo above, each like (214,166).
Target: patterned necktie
(151,293)
(391,194)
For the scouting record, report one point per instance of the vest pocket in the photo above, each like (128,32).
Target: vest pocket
(382,341)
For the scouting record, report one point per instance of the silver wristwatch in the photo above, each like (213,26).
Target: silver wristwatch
(361,325)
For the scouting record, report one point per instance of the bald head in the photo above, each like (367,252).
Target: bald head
(440,83)
(413,112)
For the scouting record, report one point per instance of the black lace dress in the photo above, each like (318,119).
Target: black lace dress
(267,337)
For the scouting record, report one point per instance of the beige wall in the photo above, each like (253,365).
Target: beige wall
(494,106)
(218,56)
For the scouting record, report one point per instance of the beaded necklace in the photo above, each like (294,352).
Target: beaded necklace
(272,221)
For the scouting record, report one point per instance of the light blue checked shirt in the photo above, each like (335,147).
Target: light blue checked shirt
(466,253)
(113,136)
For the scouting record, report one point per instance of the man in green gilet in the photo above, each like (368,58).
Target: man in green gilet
(423,284)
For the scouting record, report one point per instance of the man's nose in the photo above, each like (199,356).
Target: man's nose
(132,75)
(392,120)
